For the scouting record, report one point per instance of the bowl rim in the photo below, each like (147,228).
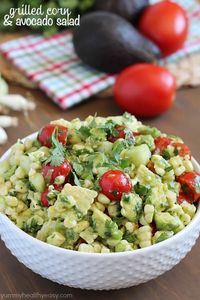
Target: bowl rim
(141,251)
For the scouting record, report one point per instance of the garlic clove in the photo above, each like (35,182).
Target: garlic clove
(17,102)
(7,121)
(3,136)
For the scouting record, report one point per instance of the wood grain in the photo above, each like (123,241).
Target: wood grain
(181,283)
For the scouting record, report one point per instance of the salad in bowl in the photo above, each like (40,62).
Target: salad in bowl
(100,185)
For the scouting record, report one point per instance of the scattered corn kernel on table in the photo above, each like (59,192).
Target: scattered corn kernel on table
(182,282)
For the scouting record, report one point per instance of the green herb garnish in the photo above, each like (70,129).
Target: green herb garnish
(166,154)
(141,190)
(168,169)
(57,152)
(176,152)
(76,180)
(130,237)
(110,228)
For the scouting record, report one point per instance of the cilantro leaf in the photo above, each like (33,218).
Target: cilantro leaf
(110,228)
(57,152)
(76,180)
(124,163)
(117,149)
(84,132)
(141,190)
(168,169)
(109,128)
(130,237)
(166,154)
(129,138)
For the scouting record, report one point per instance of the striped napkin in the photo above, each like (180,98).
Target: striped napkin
(52,64)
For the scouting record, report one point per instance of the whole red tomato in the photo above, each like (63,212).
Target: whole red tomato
(166,24)
(145,90)
(114,183)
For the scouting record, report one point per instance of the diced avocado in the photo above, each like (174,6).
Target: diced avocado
(33,224)
(71,218)
(33,200)
(159,162)
(139,155)
(146,177)
(23,217)
(131,206)
(100,220)
(161,236)
(164,221)
(105,227)
(71,236)
(145,139)
(88,235)
(82,196)
(56,239)
(99,159)
(150,130)
(105,147)
(157,197)
(47,228)
(122,246)
(39,155)
(97,134)
(37,182)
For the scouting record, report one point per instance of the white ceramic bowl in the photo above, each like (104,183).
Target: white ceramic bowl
(98,271)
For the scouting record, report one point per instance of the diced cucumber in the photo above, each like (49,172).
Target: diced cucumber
(37,182)
(25,163)
(139,155)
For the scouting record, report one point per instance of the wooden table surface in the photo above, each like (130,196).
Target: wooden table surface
(182,282)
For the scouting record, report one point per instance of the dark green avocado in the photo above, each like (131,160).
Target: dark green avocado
(127,9)
(109,43)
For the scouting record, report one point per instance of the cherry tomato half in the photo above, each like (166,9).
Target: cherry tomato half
(114,183)
(58,187)
(44,198)
(190,184)
(182,149)
(183,197)
(166,24)
(45,134)
(50,172)
(119,134)
(161,144)
(145,90)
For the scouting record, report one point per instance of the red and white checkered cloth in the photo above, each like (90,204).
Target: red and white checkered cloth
(52,63)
